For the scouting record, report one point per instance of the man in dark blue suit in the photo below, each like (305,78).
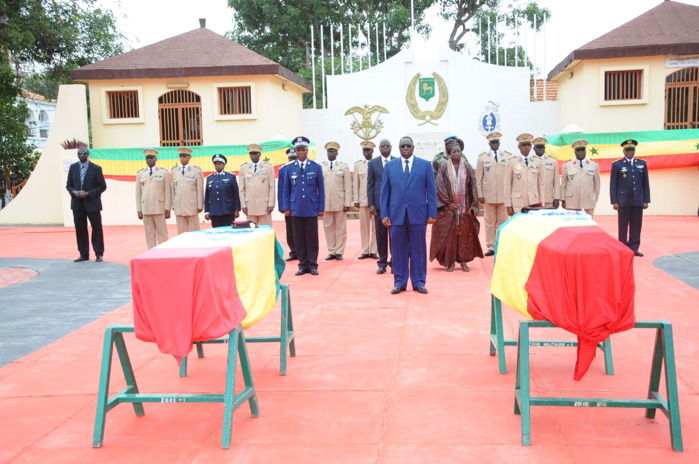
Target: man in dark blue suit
(408,204)
(374,178)
(304,201)
(221,198)
(291,156)
(85,184)
(630,194)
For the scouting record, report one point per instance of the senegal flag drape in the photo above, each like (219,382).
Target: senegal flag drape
(661,149)
(123,163)
(562,267)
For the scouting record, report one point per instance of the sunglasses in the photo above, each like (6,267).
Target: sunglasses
(579,149)
(405,146)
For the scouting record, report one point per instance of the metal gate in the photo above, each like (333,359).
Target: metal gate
(179,112)
(682,99)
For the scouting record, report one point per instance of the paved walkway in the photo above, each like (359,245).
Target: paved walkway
(61,297)
(379,378)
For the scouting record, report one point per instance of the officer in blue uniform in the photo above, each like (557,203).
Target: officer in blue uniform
(291,155)
(304,201)
(630,194)
(221,200)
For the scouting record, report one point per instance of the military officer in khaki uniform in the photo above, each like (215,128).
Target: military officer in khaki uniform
(549,166)
(524,181)
(490,175)
(338,199)
(256,185)
(153,198)
(188,192)
(580,181)
(361,201)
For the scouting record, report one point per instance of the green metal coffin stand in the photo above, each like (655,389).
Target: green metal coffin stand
(114,339)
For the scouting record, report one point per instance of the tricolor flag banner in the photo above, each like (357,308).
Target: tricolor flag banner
(661,149)
(123,163)
(563,268)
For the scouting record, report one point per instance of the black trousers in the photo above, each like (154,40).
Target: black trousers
(221,221)
(381,241)
(290,236)
(306,241)
(630,222)
(80,217)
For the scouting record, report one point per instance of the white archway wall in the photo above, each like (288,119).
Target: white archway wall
(44,199)
(471,85)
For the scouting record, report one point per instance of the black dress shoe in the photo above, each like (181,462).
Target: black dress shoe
(363,256)
(489,253)
(301,272)
(381,270)
(339,257)
(313,272)
(329,257)
(422,290)
(99,259)
(81,259)
(292,258)
(638,253)
(397,290)
(374,256)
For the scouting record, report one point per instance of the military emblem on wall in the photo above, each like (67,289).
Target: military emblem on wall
(489,119)
(367,122)
(428,87)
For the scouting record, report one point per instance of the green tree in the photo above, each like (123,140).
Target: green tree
(281,30)
(45,40)
(461,12)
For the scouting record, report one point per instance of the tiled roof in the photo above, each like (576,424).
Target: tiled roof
(670,28)
(196,53)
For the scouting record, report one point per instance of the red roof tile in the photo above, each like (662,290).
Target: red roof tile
(670,28)
(196,53)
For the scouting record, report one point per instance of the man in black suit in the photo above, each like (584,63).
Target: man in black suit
(374,178)
(85,185)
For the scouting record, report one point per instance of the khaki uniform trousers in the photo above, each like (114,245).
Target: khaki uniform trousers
(366,230)
(264,220)
(335,226)
(494,215)
(156,229)
(187,224)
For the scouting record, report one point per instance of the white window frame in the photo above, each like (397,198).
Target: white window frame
(105,105)
(645,78)
(234,117)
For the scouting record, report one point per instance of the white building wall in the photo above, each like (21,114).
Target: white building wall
(471,86)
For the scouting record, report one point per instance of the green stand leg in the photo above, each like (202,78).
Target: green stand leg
(113,338)
(522,391)
(664,350)
(231,401)
(497,339)
(286,339)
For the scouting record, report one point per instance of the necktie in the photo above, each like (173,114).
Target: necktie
(581,166)
(150,171)
(526,161)
(302,167)
(496,155)
(254,169)
(183,168)
(407,170)
(331,165)
(83,169)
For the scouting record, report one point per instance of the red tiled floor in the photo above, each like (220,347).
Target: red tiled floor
(379,378)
